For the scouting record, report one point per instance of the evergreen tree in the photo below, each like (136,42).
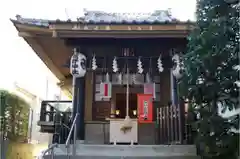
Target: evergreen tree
(14,113)
(209,80)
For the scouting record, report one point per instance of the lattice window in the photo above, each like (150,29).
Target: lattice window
(128,52)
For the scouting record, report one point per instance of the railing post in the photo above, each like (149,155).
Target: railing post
(181,120)
(52,154)
(43,111)
(51,114)
(57,123)
(73,128)
(161,127)
(74,139)
(158,129)
(48,150)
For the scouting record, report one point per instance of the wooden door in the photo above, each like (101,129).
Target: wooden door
(121,104)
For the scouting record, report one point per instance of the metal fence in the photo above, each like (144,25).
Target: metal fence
(173,127)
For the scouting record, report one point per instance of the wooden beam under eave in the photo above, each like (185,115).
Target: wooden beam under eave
(24,34)
(67,92)
(63,87)
(67,89)
(65,82)
(34,44)
(123,34)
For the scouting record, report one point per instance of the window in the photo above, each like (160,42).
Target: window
(128,52)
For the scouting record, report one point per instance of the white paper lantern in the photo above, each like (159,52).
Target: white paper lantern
(177,70)
(78,64)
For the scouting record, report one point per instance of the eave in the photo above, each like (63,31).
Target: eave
(35,36)
(78,30)
(29,34)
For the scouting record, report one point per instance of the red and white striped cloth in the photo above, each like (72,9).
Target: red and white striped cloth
(106,89)
(149,88)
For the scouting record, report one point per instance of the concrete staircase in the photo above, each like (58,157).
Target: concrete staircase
(126,152)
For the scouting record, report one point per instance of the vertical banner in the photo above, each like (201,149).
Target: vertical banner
(106,90)
(145,108)
(149,88)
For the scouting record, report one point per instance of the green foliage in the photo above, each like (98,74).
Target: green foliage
(209,78)
(14,113)
(20,151)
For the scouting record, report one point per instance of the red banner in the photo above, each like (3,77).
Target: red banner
(145,108)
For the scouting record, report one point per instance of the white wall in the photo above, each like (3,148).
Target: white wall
(35,103)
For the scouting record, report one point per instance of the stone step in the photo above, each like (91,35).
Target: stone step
(126,151)
(121,157)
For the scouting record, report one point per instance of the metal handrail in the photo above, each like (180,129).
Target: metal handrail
(66,126)
(50,148)
(71,130)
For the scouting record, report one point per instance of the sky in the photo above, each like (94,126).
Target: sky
(19,63)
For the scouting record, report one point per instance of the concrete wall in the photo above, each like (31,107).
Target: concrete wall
(98,133)
(146,134)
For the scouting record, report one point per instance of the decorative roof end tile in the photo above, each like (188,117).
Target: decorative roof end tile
(38,22)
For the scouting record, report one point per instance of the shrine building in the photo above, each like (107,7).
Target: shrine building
(128,90)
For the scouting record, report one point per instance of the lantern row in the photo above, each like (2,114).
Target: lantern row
(78,65)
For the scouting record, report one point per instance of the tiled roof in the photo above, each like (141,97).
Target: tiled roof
(158,16)
(97,17)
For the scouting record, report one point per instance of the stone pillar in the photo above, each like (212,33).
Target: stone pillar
(78,71)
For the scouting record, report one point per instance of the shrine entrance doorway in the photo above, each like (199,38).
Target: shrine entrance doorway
(121,105)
